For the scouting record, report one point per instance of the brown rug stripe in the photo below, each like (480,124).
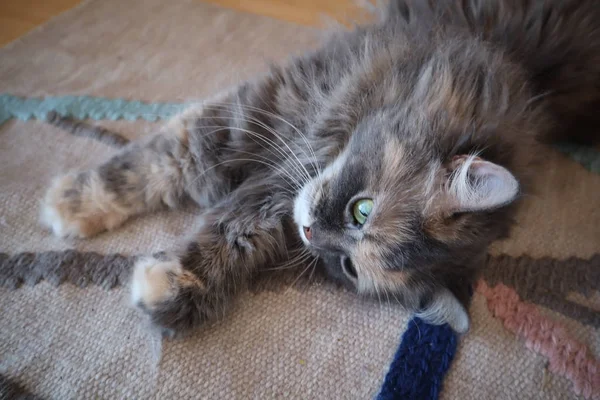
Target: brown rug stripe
(545,281)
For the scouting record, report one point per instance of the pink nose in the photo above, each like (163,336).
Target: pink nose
(307,232)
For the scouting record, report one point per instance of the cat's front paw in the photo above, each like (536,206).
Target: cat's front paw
(170,295)
(154,282)
(77,206)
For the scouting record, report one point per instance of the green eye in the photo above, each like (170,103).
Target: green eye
(361,210)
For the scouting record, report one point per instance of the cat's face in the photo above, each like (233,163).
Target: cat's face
(393,217)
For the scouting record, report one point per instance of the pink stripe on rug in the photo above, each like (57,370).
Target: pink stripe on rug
(567,356)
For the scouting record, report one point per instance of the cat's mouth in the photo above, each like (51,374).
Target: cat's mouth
(348,268)
(339,268)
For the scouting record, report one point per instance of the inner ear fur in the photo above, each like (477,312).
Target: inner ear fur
(472,184)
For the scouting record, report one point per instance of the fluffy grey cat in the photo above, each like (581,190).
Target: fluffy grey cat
(391,157)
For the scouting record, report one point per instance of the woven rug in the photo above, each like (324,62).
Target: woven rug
(127,65)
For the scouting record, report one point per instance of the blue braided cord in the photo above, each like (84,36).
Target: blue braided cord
(420,363)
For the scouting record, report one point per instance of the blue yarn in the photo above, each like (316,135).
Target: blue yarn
(84,107)
(420,363)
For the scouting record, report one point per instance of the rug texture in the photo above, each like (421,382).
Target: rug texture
(535,330)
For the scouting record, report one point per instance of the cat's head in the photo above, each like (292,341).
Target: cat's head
(422,187)
(389,225)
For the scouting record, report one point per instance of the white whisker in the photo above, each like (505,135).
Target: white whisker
(301,257)
(252,134)
(280,118)
(250,119)
(302,273)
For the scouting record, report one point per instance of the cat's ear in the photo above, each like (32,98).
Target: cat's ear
(473,184)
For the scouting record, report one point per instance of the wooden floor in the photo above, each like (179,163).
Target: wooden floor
(18,17)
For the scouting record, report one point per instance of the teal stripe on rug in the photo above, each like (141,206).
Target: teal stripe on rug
(84,107)
(99,108)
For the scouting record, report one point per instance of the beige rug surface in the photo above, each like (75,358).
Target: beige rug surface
(70,343)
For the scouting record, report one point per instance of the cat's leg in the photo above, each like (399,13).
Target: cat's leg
(197,283)
(143,176)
